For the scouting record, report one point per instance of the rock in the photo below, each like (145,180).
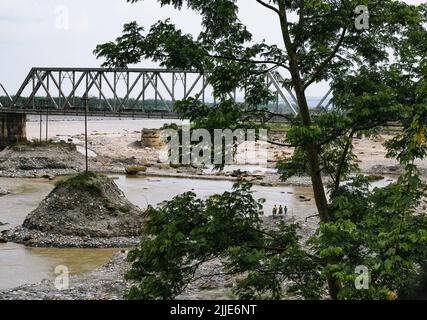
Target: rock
(379,139)
(198,166)
(134,170)
(48,176)
(266,184)
(209,285)
(3,192)
(394,168)
(304,198)
(2,239)
(237,173)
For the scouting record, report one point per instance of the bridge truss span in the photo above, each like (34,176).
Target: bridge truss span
(117,90)
(122,91)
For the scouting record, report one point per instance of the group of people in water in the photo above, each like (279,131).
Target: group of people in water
(279,211)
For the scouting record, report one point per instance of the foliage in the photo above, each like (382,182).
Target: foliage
(187,232)
(379,229)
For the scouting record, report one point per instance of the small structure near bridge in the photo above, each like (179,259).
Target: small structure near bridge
(12,128)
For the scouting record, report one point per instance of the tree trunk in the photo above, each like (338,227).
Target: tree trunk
(312,147)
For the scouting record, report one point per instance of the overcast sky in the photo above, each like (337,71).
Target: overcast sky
(37,33)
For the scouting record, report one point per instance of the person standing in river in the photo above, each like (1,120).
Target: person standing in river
(286,210)
(274,211)
(280,210)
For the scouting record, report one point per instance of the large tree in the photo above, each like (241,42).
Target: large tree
(377,75)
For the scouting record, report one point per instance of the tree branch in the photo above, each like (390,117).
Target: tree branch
(269,6)
(266,248)
(327,60)
(282,144)
(341,163)
(356,129)
(330,138)
(264,233)
(249,60)
(273,114)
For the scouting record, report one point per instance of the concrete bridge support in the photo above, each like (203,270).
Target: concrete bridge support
(12,128)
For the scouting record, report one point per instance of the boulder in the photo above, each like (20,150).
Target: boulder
(134,170)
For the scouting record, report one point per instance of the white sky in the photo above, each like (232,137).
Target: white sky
(29,35)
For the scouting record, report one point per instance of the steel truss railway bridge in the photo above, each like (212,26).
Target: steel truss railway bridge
(122,92)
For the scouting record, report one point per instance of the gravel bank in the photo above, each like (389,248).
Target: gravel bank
(82,211)
(34,238)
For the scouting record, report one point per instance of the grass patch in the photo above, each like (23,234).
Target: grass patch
(87,181)
(375,177)
(125,208)
(150,130)
(38,143)
(278,127)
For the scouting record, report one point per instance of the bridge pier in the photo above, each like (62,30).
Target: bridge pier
(12,128)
